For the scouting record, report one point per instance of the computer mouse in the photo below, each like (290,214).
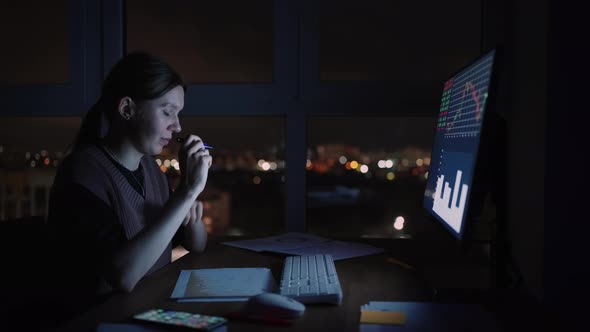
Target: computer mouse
(271,305)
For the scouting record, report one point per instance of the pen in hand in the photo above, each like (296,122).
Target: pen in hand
(182,140)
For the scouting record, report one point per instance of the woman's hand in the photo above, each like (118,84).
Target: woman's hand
(194,215)
(194,164)
(195,233)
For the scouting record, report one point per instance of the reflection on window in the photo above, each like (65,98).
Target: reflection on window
(365,173)
(206,41)
(396,40)
(245,189)
(34,37)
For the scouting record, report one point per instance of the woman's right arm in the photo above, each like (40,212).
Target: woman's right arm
(139,254)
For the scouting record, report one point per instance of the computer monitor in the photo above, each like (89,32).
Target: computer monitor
(457,145)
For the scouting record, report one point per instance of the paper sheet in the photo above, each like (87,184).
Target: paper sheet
(338,250)
(281,242)
(306,244)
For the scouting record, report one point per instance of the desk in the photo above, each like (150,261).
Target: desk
(363,279)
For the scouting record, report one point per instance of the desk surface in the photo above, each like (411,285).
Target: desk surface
(363,279)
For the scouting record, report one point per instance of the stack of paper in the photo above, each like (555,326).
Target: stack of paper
(425,316)
(306,244)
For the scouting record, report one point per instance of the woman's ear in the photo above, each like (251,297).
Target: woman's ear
(126,108)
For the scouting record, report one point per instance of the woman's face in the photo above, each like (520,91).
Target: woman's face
(156,120)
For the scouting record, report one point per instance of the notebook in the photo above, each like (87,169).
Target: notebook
(225,284)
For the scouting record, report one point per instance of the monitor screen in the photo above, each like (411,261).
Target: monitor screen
(456,144)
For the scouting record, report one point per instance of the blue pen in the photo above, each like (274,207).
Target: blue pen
(182,140)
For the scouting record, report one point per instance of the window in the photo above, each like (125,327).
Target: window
(245,192)
(35,42)
(363,173)
(31,149)
(207,41)
(292,51)
(370,40)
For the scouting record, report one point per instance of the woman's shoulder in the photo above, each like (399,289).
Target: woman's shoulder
(85,156)
(83,168)
(83,163)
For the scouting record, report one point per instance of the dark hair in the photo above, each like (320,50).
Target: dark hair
(140,76)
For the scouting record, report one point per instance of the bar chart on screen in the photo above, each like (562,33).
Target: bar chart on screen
(451,191)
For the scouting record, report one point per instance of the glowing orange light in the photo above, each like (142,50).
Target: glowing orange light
(163,169)
(207,220)
(321,167)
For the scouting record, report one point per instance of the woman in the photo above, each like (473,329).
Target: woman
(110,202)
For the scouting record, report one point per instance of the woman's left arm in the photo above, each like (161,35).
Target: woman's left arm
(195,234)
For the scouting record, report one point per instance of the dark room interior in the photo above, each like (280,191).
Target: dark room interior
(322,116)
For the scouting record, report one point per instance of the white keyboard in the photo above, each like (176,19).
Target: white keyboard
(311,279)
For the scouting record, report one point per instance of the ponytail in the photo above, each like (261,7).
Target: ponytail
(93,127)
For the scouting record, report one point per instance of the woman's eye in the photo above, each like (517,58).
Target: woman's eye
(166,113)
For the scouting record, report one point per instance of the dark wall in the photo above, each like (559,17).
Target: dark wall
(567,225)
(526,137)
(544,93)
(520,28)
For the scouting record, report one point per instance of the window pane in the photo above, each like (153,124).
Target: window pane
(34,35)
(362,173)
(31,148)
(396,40)
(206,41)
(245,189)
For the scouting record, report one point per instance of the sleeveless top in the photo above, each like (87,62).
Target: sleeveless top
(94,208)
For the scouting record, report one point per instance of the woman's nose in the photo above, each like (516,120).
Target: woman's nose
(175,126)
